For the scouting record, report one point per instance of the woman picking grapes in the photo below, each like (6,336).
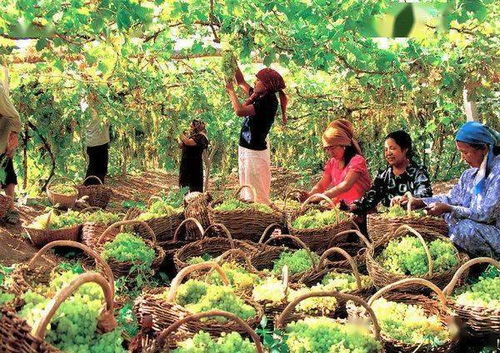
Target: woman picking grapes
(472,207)
(258,111)
(191,168)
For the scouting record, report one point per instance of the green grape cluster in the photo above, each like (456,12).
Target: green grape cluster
(229,65)
(324,335)
(409,323)
(199,259)
(270,290)
(191,292)
(406,256)
(226,343)
(159,208)
(63,189)
(101,217)
(127,319)
(236,204)
(314,305)
(297,261)
(6,297)
(315,218)
(239,277)
(70,218)
(290,204)
(59,280)
(396,211)
(128,247)
(484,293)
(344,282)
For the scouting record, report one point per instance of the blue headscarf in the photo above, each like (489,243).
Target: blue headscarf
(476,133)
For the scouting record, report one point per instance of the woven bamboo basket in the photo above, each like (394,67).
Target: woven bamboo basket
(98,195)
(65,201)
(356,249)
(318,239)
(287,212)
(382,277)
(431,307)
(288,315)
(243,224)
(380,227)
(478,320)
(196,206)
(91,231)
(28,276)
(213,246)
(164,227)
(40,237)
(266,256)
(6,203)
(123,268)
(164,311)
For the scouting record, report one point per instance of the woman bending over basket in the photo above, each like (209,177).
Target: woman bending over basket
(402,174)
(346,176)
(472,207)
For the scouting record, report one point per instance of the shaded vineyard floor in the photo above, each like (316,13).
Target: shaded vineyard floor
(15,248)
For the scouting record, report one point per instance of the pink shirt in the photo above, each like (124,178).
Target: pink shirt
(337,175)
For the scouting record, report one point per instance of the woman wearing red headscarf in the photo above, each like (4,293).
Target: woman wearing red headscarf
(258,111)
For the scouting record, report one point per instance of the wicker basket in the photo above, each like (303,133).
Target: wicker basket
(288,213)
(98,195)
(6,203)
(196,206)
(213,246)
(164,312)
(478,321)
(123,268)
(357,249)
(288,315)
(380,227)
(164,227)
(91,231)
(430,306)
(40,237)
(382,277)
(64,201)
(318,239)
(245,224)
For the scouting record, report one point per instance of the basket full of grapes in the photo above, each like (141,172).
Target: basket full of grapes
(98,194)
(318,227)
(244,219)
(61,193)
(387,221)
(477,304)
(96,221)
(407,253)
(51,226)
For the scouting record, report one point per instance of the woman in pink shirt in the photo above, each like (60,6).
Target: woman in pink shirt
(346,177)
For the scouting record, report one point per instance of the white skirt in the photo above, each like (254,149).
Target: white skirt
(255,169)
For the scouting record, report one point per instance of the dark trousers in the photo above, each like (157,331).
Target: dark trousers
(98,163)
(8,167)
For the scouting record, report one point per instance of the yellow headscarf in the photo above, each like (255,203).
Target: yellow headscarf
(340,132)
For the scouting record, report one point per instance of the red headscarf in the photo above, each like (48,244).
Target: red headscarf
(274,82)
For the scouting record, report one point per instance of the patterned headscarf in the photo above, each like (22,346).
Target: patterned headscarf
(273,81)
(198,126)
(340,132)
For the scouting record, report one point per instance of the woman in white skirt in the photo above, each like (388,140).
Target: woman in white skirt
(258,111)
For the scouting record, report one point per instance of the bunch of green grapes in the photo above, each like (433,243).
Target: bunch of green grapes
(396,211)
(229,65)
(409,323)
(290,204)
(59,280)
(6,297)
(326,335)
(199,259)
(238,276)
(191,292)
(226,343)
(222,298)
(314,305)
(298,261)
(315,218)
(128,247)
(236,204)
(484,293)
(63,189)
(406,256)
(101,217)
(159,208)
(52,221)
(270,290)
(344,282)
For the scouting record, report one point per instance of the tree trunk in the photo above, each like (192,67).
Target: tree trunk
(25,157)
(470,107)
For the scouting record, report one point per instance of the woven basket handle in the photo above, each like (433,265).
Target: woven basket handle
(406,228)
(266,231)
(355,231)
(123,223)
(449,288)
(348,257)
(160,342)
(323,196)
(199,227)
(252,190)
(280,322)
(176,282)
(65,292)
(297,241)
(73,184)
(239,253)
(406,282)
(153,198)
(224,229)
(287,196)
(74,244)
(93,177)
(131,213)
